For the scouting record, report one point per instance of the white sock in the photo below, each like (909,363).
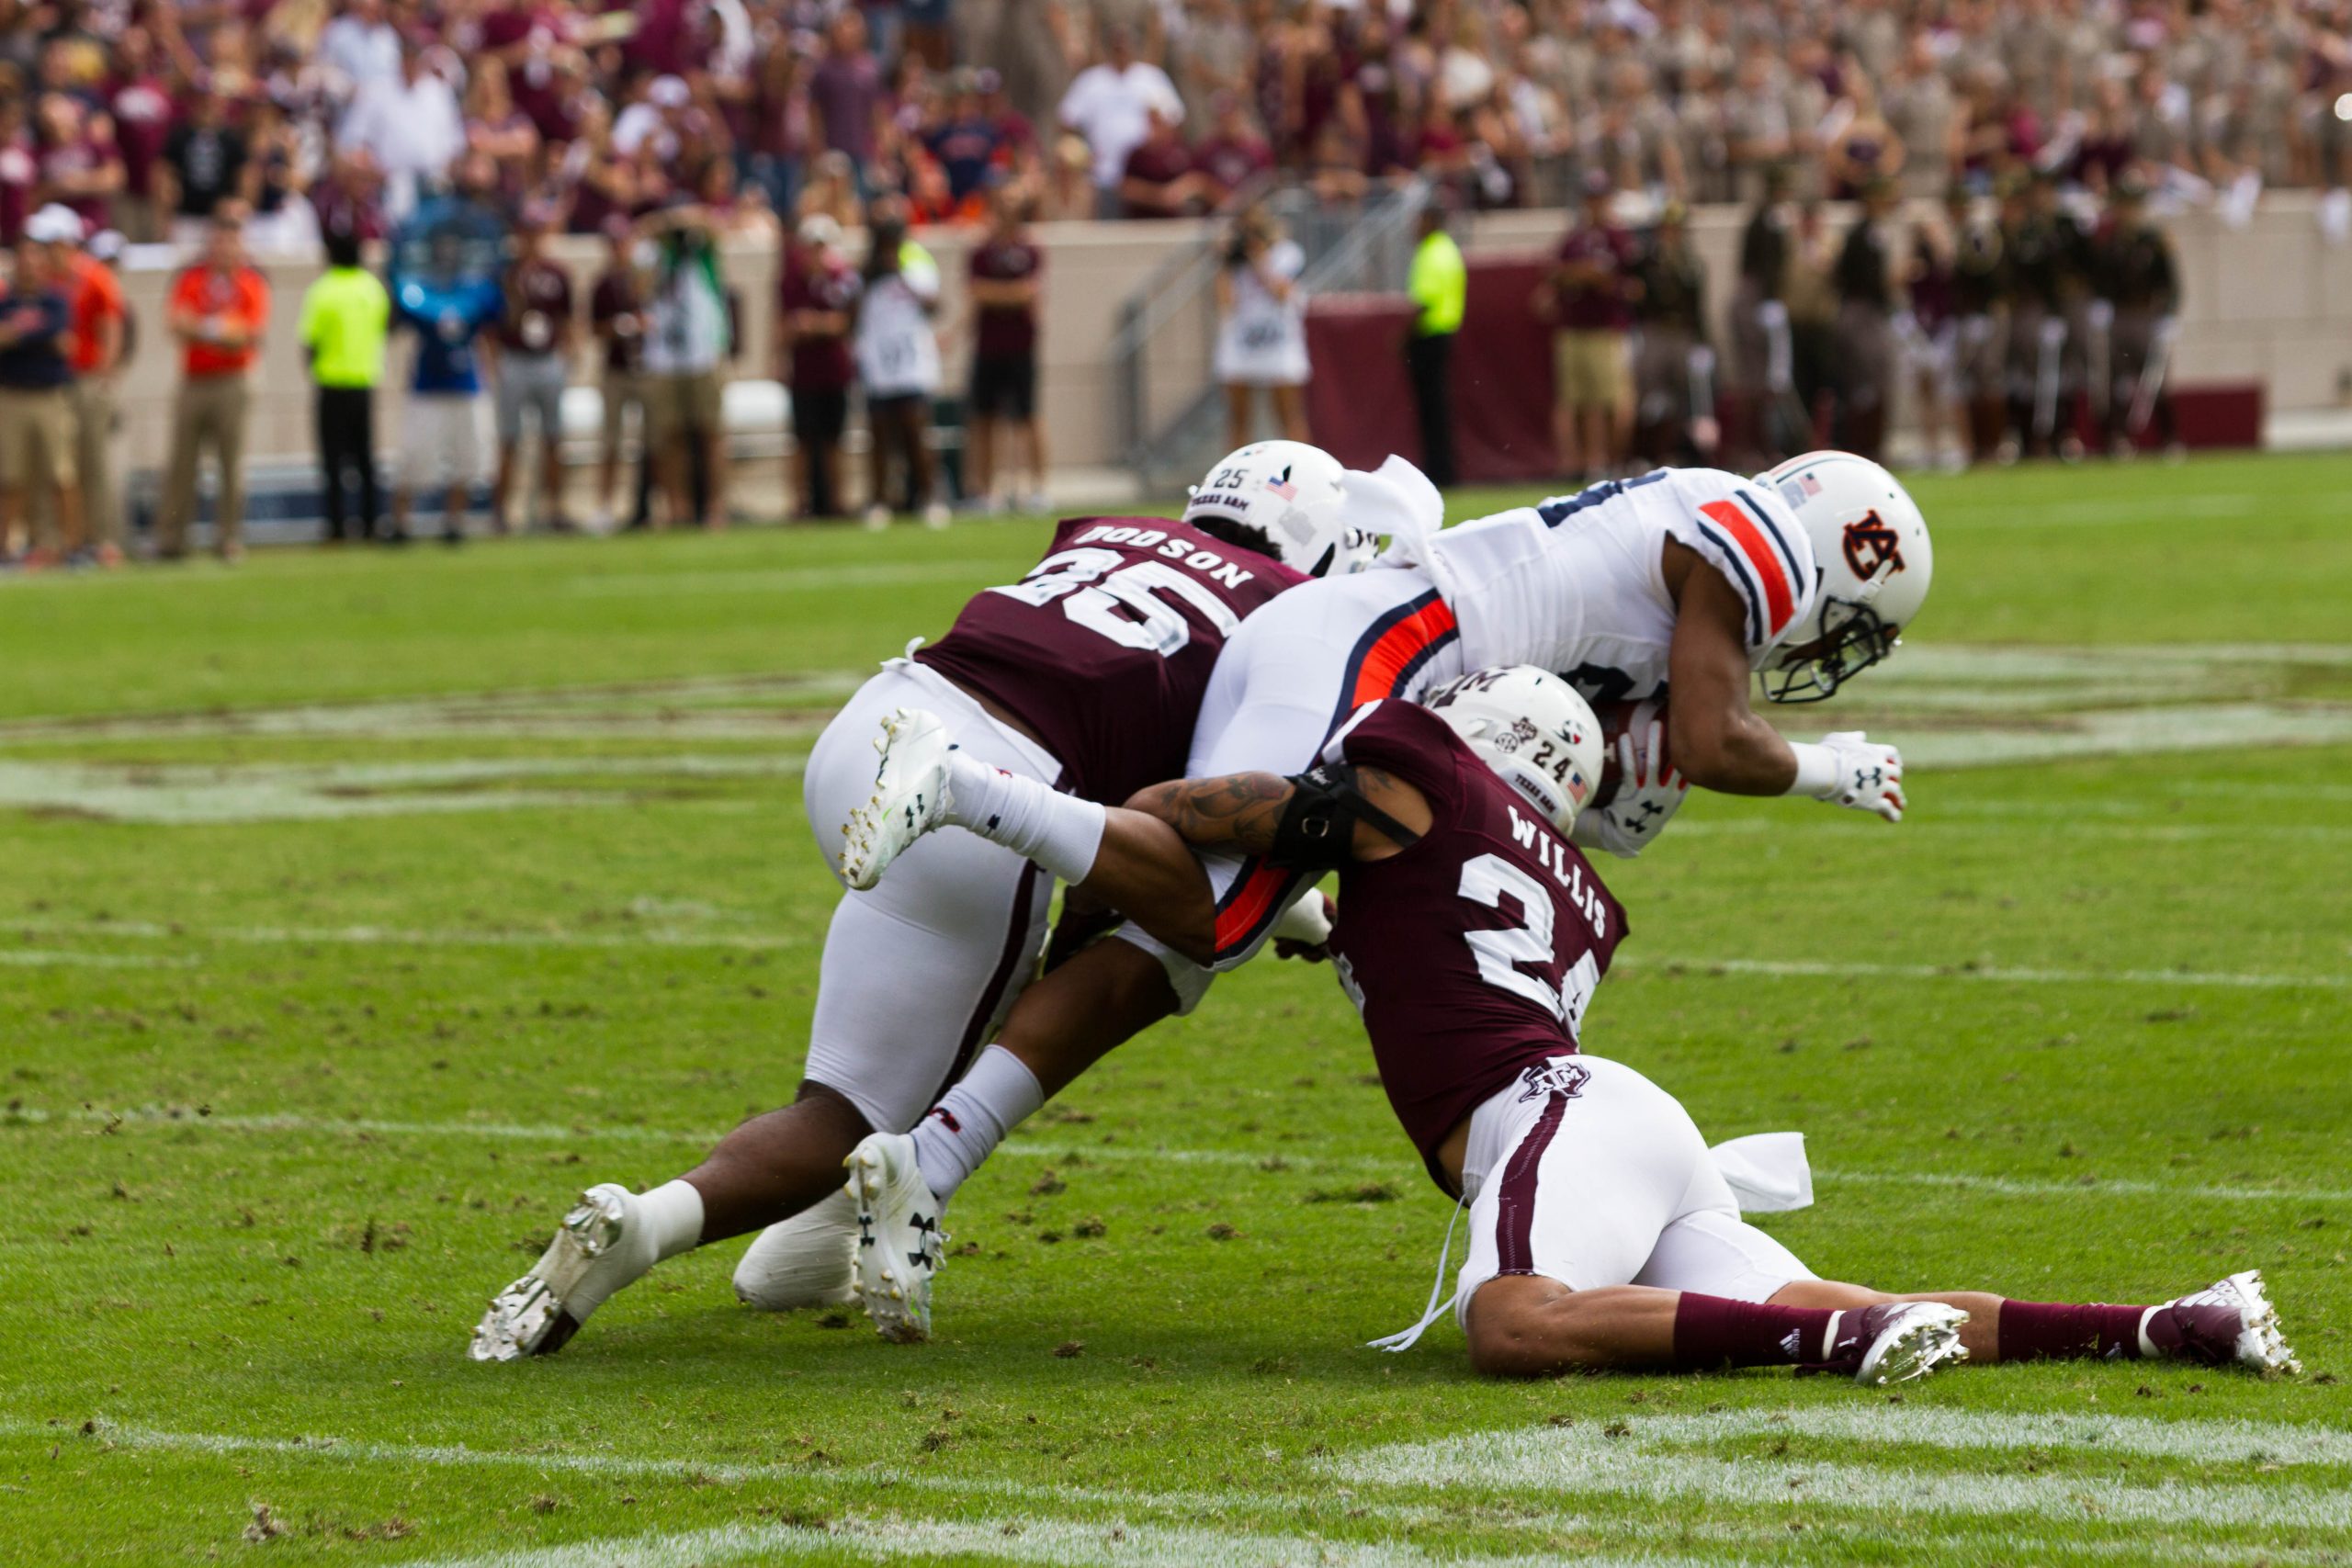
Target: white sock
(673,1216)
(666,1222)
(964,1128)
(1034,820)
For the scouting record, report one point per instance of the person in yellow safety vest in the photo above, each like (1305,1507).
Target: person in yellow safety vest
(1438,284)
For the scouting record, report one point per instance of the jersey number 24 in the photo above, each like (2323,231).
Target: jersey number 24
(1506,956)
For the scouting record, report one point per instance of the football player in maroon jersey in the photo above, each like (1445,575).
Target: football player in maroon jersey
(1471,935)
(1086,676)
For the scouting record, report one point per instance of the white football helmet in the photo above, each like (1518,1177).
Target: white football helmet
(1293,494)
(1533,729)
(1871,547)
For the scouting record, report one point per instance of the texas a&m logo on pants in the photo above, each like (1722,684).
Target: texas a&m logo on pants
(1563,1076)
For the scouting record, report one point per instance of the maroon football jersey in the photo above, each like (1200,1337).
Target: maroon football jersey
(1475,951)
(1105,647)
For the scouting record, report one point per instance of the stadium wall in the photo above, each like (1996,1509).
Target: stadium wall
(2266,303)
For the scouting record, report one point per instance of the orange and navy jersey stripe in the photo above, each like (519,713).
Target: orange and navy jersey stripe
(1757,555)
(1393,651)
(1384,664)
(1251,905)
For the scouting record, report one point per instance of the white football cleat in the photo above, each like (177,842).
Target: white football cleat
(803,1261)
(598,1248)
(910,796)
(1908,1339)
(2230,1321)
(898,1239)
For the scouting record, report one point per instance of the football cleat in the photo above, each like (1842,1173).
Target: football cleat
(2230,1321)
(1895,1342)
(910,796)
(803,1261)
(898,1238)
(593,1254)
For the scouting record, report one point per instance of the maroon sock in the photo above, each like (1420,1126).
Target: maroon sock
(1710,1331)
(2035,1331)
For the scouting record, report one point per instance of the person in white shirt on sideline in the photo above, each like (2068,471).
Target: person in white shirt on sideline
(1109,104)
(1262,328)
(897,350)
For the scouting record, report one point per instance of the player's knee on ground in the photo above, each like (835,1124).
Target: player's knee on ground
(1524,1326)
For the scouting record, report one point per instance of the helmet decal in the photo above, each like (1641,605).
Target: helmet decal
(1870,545)
(1282,485)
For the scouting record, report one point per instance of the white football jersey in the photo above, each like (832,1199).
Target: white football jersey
(1577,584)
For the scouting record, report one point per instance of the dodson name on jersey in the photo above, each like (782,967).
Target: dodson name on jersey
(1475,951)
(1104,648)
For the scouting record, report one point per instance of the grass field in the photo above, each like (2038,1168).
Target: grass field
(356,910)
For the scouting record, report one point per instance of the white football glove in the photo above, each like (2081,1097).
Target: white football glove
(1304,929)
(1649,792)
(1851,770)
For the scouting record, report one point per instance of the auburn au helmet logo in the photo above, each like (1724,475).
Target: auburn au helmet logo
(1870,544)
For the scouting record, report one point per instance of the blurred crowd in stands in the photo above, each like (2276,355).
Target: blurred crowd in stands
(141,115)
(306,124)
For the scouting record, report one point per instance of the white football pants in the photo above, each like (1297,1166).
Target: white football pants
(917,973)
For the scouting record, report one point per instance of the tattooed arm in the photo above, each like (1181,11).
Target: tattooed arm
(1240,811)
(1145,866)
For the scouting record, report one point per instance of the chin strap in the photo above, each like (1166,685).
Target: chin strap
(1399,1343)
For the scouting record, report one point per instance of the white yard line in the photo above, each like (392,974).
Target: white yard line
(2001,974)
(1646,1462)
(1021,1538)
(879,1481)
(40,958)
(657,937)
(1272,1160)
(2221,1440)
(399,936)
(1035,1538)
(1646,1458)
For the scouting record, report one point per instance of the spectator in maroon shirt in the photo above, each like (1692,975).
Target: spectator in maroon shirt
(1588,297)
(350,201)
(1159,181)
(1005,270)
(600,181)
(812,328)
(79,168)
(139,100)
(847,100)
(19,170)
(1233,154)
(496,128)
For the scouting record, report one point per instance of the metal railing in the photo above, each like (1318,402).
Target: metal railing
(1167,328)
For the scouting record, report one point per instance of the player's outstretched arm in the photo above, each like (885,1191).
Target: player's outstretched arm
(1721,743)
(1144,867)
(1718,742)
(1256,814)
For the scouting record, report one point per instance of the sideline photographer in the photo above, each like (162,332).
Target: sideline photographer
(1262,327)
